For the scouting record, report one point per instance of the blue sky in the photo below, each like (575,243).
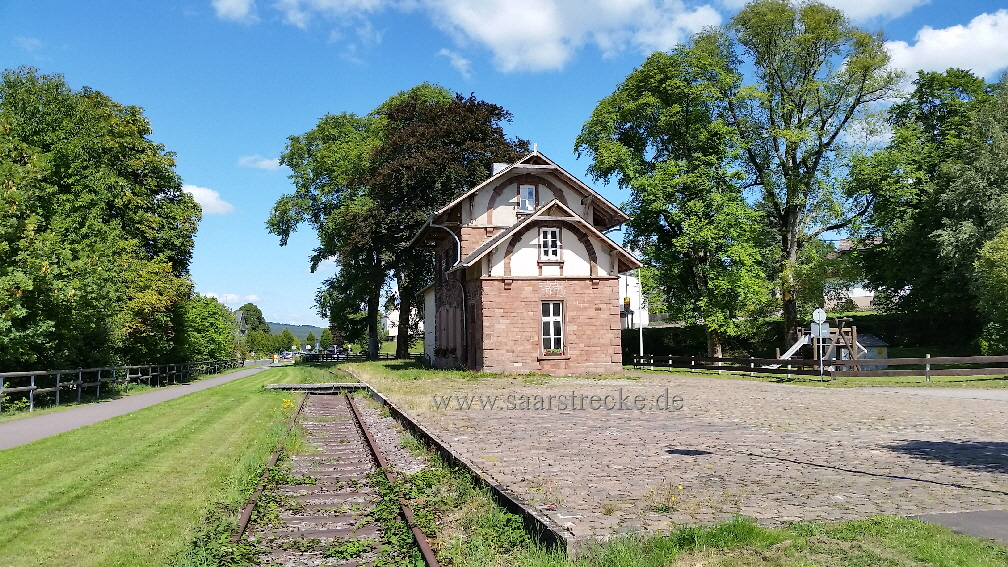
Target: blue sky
(225,82)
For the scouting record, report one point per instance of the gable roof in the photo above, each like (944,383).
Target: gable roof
(536,162)
(541,214)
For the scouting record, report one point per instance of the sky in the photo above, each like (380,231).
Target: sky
(225,82)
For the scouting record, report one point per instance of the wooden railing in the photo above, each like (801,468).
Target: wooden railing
(926,366)
(357,357)
(35,382)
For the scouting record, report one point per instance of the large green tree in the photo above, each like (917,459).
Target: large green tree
(991,274)
(433,148)
(663,134)
(326,339)
(254,318)
(207,330)
(96,235)
(940,194)
(366,183)
(813,73)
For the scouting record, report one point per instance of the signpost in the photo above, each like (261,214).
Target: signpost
(820,330)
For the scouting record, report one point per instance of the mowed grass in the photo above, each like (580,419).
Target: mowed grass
(134,490)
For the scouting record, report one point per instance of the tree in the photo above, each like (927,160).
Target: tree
(815,73)
(260,343)
(286,340)
(326,339)
(97,234)
(939,194)
(254,318)
(992,288)
(366,183)
(208,330)
(310,340)
(663,135)
(434,147)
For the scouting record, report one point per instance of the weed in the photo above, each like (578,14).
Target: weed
(347,550)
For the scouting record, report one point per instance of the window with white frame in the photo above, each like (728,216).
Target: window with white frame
(526,195)
(549,244)
(552,326)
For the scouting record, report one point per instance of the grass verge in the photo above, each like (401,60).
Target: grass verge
(144,488)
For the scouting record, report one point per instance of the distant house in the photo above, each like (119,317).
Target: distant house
(390,324)
(241,329)
(525,278)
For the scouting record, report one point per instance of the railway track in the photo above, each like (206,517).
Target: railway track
(323,511)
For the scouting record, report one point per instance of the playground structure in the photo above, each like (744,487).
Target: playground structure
(840,345)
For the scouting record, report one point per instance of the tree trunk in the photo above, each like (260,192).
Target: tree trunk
(713,343)
(789,287)
(405,307)
(372,314)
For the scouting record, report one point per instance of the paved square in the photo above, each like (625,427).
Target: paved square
(770,451)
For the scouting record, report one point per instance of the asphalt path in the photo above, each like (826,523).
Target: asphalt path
(25,430)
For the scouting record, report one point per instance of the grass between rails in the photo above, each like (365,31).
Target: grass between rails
(144,488)
(469,529)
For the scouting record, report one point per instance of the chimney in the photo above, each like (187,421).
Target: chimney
(499,167)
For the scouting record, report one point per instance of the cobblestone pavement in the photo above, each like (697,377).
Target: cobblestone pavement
(773,452)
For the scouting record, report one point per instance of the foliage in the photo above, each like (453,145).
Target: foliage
(285,340)
(940,194)
(97,234)
(992,289)
(663,135)
(326,339)
(814,74)
(367,183)
(254,318)
(207,330)
(434,146)
(310,340)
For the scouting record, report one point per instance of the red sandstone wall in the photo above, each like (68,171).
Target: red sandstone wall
(512,330)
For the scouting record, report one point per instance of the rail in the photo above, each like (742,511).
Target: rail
(950,365)
(54,382)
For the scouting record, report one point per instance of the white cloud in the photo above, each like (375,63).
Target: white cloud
(863,10)
(980,46)
(299,12)
(209,200)
(530,35)
(540,35)
(259,162)
(29,44)
(231,298)
(461,64)
(236,10)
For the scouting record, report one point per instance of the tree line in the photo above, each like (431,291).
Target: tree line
(746,152)
(96,236)
(261,341)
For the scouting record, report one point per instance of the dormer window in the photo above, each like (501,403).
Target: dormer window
(549,244)
(526,194)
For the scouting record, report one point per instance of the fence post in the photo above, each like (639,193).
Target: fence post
(752,368)
(31,395)
(927,368)
(98,392)
(57,387)
(80,381)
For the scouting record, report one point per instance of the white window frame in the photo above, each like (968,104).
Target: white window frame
(553,326)
(550,244)
(526,198)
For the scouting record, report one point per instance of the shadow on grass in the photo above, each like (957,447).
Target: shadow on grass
(984,456)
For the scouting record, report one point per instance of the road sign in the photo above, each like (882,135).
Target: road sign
(820,330)
(819,316)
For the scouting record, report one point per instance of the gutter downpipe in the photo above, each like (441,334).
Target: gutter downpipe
(458,260)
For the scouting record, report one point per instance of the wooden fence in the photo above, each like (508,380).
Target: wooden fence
(36,382)
(926,366)
(326,357)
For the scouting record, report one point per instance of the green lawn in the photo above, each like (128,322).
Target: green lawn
(136,489)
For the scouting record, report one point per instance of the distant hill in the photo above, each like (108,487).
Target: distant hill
(299,331)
